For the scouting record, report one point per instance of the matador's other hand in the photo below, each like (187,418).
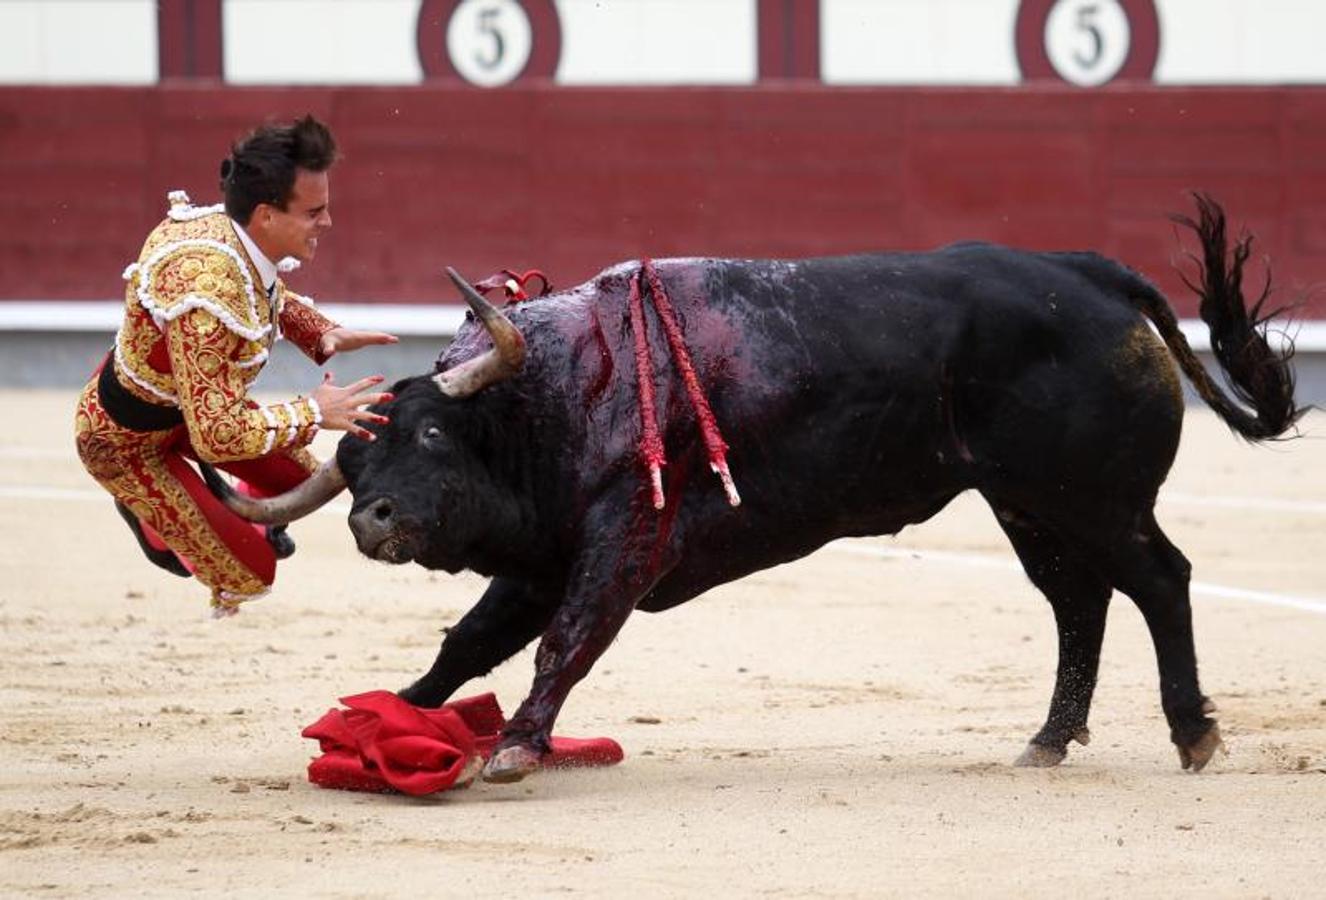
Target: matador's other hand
(343,340)
(343,407)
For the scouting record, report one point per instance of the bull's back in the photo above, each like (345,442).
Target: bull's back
(884,337)
(868,390)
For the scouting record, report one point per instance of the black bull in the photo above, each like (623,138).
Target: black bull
(859,395)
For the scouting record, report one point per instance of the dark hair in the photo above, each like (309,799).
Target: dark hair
(261,168)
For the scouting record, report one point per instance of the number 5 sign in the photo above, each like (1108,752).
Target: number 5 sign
(1087,42)
(488,43)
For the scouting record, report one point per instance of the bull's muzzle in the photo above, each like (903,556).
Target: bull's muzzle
(378,533)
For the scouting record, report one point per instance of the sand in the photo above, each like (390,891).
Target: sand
(842,726)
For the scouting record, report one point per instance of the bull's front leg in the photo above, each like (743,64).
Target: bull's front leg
(508,616)
(607,583)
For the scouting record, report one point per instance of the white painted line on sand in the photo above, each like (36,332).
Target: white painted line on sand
(38,453)
(50,492)
(1271,504)
(855,546)
(46,492)
(859,547)
(1266,503)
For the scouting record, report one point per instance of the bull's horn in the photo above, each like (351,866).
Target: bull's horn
(295,503)
(499,363)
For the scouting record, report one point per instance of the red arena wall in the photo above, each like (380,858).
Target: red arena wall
(573,179)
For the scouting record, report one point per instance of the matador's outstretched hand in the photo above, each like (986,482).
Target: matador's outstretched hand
(343,407)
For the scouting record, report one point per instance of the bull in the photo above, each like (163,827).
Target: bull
(859,395)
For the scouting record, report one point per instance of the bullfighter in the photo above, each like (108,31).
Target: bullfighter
(204,304)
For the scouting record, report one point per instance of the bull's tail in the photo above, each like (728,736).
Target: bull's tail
(1260,378)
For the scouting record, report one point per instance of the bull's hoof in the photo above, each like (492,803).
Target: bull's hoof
(510,764)
(1196,755)
(1038,756)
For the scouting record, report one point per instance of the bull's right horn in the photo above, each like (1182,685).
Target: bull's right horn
(498,364)
(295,503)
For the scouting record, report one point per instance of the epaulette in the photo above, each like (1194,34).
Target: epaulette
(192,261)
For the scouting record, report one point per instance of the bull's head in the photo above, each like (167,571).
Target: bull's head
(394,520)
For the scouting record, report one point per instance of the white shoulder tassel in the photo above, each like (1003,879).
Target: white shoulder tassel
(183,210)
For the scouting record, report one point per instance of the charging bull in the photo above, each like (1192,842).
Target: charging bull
(858,395)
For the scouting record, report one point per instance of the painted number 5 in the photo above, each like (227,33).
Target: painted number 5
(1086,22)
(489,41)
(1087,41)
(488,27)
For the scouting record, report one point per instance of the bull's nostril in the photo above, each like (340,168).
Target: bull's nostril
(382,510)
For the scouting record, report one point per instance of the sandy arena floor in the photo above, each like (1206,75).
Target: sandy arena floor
(842,726)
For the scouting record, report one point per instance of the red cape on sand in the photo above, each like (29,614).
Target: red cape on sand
(381,743)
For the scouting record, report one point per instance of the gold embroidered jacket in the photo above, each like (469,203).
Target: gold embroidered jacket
(198,327)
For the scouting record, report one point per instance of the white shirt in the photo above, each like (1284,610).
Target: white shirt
(266,268)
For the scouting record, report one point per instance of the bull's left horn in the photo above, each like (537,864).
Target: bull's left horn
(295,503)
(498,364)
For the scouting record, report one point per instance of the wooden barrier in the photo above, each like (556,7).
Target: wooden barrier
(574,179)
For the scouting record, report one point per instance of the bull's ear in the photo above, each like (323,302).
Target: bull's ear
(500,363)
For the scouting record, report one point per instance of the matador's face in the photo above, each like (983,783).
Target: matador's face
(295,230)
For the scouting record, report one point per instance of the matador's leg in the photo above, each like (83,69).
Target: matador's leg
(273,475)
(227,553)
(146,472)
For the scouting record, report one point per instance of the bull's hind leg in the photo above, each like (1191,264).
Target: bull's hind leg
(1148,568)
(508,616)
(1080,598)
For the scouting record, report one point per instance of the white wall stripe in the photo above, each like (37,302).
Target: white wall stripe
(423,319)
(97,316)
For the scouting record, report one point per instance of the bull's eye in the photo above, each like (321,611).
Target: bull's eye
(432,437)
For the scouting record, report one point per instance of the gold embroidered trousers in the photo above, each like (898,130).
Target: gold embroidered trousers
(149,472)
